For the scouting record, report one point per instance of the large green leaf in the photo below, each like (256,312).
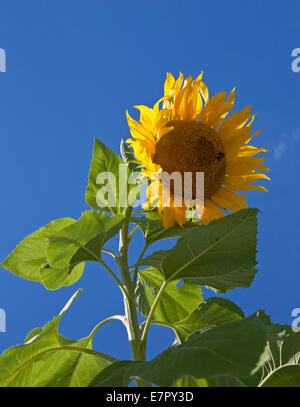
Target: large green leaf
(214,311)
(233,349)
(29,257)
(106,161)
(48,359)
(225,381)
(220,256)
(284,355)
(286,376)
(176,302)
(79,242)
(222,381)
(189,381)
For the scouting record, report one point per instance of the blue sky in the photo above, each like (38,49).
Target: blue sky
(73,68)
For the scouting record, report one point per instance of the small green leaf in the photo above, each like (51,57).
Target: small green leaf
(106,161)
(47,359)
(54,278)
(128,157)
(212,312)
(79,242)
(220,256)
(29,256)
(234,349)
(33,333)
(175,304)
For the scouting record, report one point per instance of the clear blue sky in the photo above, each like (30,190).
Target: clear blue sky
(73,68)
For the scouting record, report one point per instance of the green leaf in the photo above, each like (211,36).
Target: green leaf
(214,311)
(220,256)
(106,161)
(154,230)
(79,242)
(225,381)
(234,349)
(286,376)
(120,374)
(222,381)
(188,381)
(33,333)
(48,359)
(54,278)
(283,351)
(128,157)
(175,304)
(29,256)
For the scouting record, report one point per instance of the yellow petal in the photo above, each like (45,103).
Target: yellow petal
(235,121)
(178,83)
(250,151)
(194,104)
(137,130)
(229,200)
(233,146)
(247,188)
(244,165)
(211,212)
(243,180)
(172,215)
(146,117)
(168,217)
(216,109)
(169,84)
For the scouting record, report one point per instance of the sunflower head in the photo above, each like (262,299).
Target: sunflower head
(188,132)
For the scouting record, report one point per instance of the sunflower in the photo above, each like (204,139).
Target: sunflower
(186,131)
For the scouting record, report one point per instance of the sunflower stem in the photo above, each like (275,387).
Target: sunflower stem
(131,320)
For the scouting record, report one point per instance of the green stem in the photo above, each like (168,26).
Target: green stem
(130,311)
(136,270)
(133,331)
(105,321)
(99,260)
(111,253)
(132,233)
(149,318)
(122,288)
(142,211)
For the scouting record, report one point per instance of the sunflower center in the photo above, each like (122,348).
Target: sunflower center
(192,146)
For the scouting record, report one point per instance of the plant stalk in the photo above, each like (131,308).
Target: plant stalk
(133,330)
